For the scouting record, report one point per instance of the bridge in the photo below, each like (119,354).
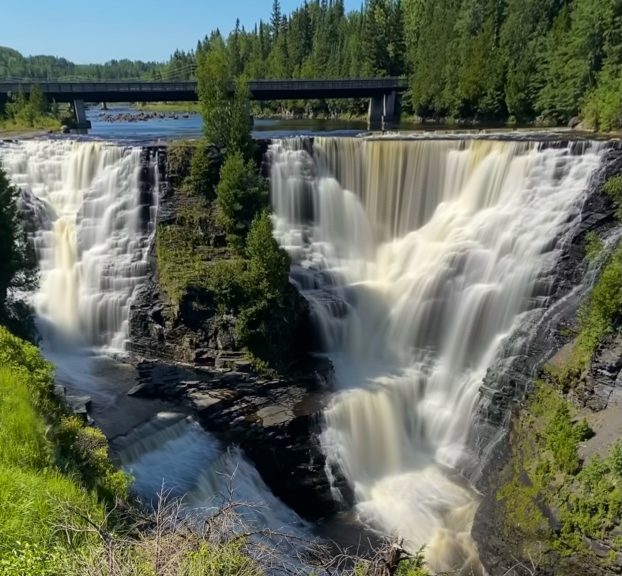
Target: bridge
(383,93)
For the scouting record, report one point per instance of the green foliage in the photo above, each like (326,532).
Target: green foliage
(17,266)
(602,311)
(225,101)
(414,566)
(33,490)
(269,263)
(204,170)
(562,437)
(14,65)
(545,476)
(240,195)
(593,246)
(14,259)
(25,360)
(31,112)
(613,188)
(228,280)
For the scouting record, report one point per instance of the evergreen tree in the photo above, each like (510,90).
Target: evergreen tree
(275,19)
(240,196)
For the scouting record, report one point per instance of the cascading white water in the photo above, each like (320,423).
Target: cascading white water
(419,258)
(93,237)
(92,225)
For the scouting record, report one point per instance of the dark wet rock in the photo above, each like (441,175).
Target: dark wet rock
(80,405)
(276,421)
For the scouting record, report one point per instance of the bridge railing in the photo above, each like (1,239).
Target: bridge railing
(104,86)
(190,85)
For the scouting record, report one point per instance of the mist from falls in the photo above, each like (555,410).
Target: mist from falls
(419,258)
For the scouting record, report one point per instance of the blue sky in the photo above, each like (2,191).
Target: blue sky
(86,31)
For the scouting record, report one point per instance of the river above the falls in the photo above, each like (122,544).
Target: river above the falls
(123,123)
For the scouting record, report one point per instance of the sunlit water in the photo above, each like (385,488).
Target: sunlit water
(191,126)
(419,258)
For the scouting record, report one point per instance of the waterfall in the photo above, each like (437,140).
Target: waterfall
(419,258)
(92,219)
(92,234)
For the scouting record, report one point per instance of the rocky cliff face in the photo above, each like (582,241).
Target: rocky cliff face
(189,355)
(505,387)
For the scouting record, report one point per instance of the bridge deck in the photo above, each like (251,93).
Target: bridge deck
(187,91)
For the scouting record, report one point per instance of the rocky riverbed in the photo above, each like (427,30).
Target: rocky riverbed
(141,116)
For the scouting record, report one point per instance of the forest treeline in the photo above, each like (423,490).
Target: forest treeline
(543,61)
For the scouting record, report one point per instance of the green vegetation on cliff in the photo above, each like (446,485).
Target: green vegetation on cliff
(220,248)
(552,500)
(218,262)
(17,263)
(562,509)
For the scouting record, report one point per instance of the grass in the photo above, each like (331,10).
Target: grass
(59,512)
(34,492)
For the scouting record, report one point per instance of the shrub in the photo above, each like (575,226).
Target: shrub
(229,283)
(205,169)
(269,263)
(593,246)
(613,189)
(562,438)
(241,194)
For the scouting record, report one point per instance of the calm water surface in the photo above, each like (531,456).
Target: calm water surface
(192,127)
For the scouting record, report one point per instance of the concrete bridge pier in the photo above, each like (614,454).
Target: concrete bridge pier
(79,112)
(384,112)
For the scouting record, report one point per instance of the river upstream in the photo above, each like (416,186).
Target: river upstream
(419,258)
